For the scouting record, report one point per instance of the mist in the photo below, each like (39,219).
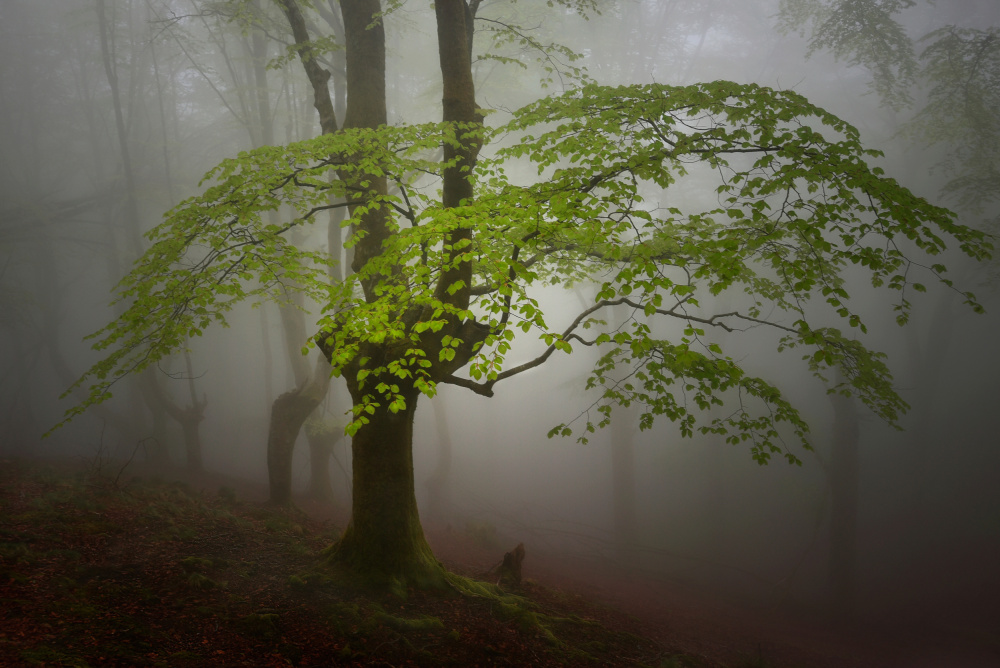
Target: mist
(111,118)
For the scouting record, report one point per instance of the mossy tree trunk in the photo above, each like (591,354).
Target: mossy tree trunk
(384,541)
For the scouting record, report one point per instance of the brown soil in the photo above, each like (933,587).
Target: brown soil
(95,570)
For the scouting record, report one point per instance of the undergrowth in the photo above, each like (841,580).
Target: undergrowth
(152,573)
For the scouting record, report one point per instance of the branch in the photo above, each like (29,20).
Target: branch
(486,389)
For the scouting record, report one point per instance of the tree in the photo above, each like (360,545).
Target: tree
(958,69)
(247,95)
(947,82)
(445,287)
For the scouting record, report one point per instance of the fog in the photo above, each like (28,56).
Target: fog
(927,535)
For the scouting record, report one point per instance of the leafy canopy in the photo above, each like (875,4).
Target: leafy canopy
(864,33)
(962,69)
(793,204)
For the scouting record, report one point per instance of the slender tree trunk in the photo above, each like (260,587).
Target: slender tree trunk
(321,445)
(192,445)
(268,358)
(439,482)
(193,416)
(189,418)
(623,483)
(928,363)
(288,414)
(149,386)
(844,479)
(623,428)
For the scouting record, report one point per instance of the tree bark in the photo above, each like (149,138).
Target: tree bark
(320,448)
(439,483)
(149,385)
(623,484)
(384,542)
(318,77)
(288,413)
(844,479)
(192,442)
(623,427)
(458,102)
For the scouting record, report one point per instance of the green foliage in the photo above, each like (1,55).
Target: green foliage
(864,33)
(195,564)
(316,48)
(199,582)
(795,205)
(554,60)
(962,67)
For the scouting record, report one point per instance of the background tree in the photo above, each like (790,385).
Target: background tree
(940,80)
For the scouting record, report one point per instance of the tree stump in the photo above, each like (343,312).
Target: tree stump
(510,568)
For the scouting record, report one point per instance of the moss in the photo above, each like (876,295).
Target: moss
(509,606)
(299,550)
(344,616)
(309,581)
(47,656)
(409,624)
(16,553)
(395,573)
(195,564)
(199,582)
(260,625)
(181,533)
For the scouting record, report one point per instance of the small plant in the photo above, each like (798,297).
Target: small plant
(260,625)
(309,581)
(195,564)
(227,495)
(199,582)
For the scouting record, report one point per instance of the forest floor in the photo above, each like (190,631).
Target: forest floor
(99,566)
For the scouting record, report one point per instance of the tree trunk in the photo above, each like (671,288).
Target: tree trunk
(288,414)
(192,443)
(623,426)
(384,542)
(439,482)
(320,448)
(928,363)
(623,483)
(158,451)
(844,474)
